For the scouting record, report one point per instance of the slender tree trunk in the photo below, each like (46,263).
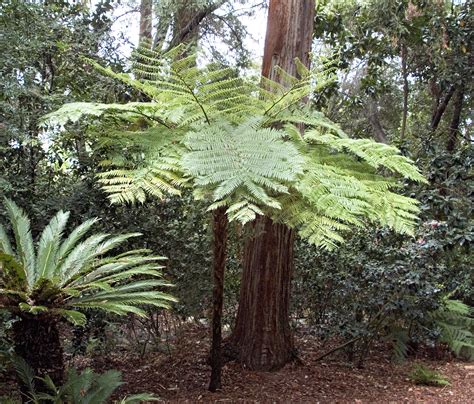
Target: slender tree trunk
(187,20)
(405,91)
(219,228)
(456,118)
(146,20)
(438,114)
(37,341)
(262,336)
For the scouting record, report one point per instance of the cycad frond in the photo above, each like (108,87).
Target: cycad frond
(76,272)
(49,244)
(23,240)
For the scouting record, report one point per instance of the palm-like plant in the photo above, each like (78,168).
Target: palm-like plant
(63,276)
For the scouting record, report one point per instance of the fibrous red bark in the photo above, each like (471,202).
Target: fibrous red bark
(262,337)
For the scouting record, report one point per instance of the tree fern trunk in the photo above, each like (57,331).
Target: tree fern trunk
(219,229)
(38,342)
(262,336)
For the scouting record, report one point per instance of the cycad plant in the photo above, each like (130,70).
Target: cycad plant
(61,277)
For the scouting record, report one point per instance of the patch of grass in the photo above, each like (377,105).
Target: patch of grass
(427,377)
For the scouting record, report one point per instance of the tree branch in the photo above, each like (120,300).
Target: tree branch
(442,108)
(194,23)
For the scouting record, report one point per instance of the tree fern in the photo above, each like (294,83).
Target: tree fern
(241,166)
(218,136)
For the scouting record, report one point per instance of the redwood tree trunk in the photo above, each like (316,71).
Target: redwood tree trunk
(219,229)
(146,20)
(262,337)
(38,342)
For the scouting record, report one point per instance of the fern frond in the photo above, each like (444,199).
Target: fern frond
(241,164)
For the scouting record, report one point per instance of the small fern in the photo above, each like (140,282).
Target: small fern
(427,377)
(84,387)
(456,323)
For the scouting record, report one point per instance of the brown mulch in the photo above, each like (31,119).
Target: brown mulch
(183,376)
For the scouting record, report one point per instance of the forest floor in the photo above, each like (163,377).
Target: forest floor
(183,376)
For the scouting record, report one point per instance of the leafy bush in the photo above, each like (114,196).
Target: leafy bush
(377,286)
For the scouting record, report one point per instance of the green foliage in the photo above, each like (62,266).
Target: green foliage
(377,286)
(456,322)
(427,377)
(86,387)
(63,276)
(241,166)
(312,184)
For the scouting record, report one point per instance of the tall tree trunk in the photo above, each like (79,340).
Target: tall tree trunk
(456,119)
(219,229)
(146,20)
(405,91)
(262,336)
(37,341)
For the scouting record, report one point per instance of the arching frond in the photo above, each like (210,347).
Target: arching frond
(210,129)
(49,244)
(76,273)
(23,240)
